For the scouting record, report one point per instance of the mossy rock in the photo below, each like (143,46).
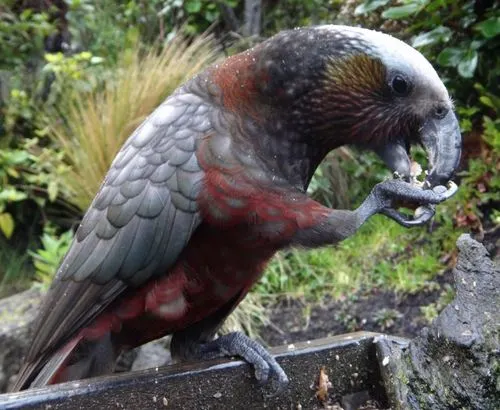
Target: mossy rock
(17,313)
(455,363)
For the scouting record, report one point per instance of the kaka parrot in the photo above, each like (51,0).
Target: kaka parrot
(213,183)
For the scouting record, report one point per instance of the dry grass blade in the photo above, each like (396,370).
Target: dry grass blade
(248,316)
(96,124)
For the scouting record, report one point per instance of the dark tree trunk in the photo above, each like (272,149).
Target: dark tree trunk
(253,12)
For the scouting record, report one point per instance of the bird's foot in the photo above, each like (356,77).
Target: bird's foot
(386,195)
(238,344)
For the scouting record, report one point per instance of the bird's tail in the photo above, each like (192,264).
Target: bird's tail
(77,359)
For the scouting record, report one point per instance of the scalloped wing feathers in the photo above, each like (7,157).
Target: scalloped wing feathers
(137,225)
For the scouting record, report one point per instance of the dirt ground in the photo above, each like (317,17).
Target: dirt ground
(375,310)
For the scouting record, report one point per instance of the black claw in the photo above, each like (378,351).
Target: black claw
(423,214)
(279,385)
(276,392)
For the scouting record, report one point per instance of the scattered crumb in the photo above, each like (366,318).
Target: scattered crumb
(416,173)
(415,169)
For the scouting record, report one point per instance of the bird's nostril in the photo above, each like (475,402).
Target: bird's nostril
(440,111)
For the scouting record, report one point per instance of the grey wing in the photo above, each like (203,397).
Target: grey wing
(137,225)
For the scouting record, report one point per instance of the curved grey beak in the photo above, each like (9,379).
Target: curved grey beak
(395,156)
(442,140)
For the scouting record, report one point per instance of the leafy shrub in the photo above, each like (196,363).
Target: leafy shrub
(21,36)
(482,179)
(281,15)
(28,174)
(48,257)
(196,16)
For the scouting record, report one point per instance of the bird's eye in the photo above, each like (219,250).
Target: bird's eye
(400,85)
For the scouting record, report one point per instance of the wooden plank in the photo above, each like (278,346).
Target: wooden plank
(349,360)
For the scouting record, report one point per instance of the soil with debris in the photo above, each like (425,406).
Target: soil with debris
(376,310)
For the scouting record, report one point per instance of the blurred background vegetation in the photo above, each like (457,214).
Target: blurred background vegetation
(77,76)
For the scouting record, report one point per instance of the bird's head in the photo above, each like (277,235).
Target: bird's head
(337,85)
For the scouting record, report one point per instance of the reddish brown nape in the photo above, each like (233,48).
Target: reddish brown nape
(238,78)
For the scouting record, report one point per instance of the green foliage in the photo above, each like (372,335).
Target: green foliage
(13,268)
(491,133)
(362,171)
(47,258)
(386,317)
(295,13)
(329,184)
(408,9)
(432,310)
(70,70)
(482,177)
(9,163)
(17,113)
(21,36)
(108,28)
(26,177)
(196,15)
(370,5)
(30,173)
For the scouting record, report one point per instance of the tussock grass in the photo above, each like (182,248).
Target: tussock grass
(96,124)
(248,316)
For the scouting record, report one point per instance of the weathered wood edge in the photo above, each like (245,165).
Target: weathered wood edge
(349,360)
